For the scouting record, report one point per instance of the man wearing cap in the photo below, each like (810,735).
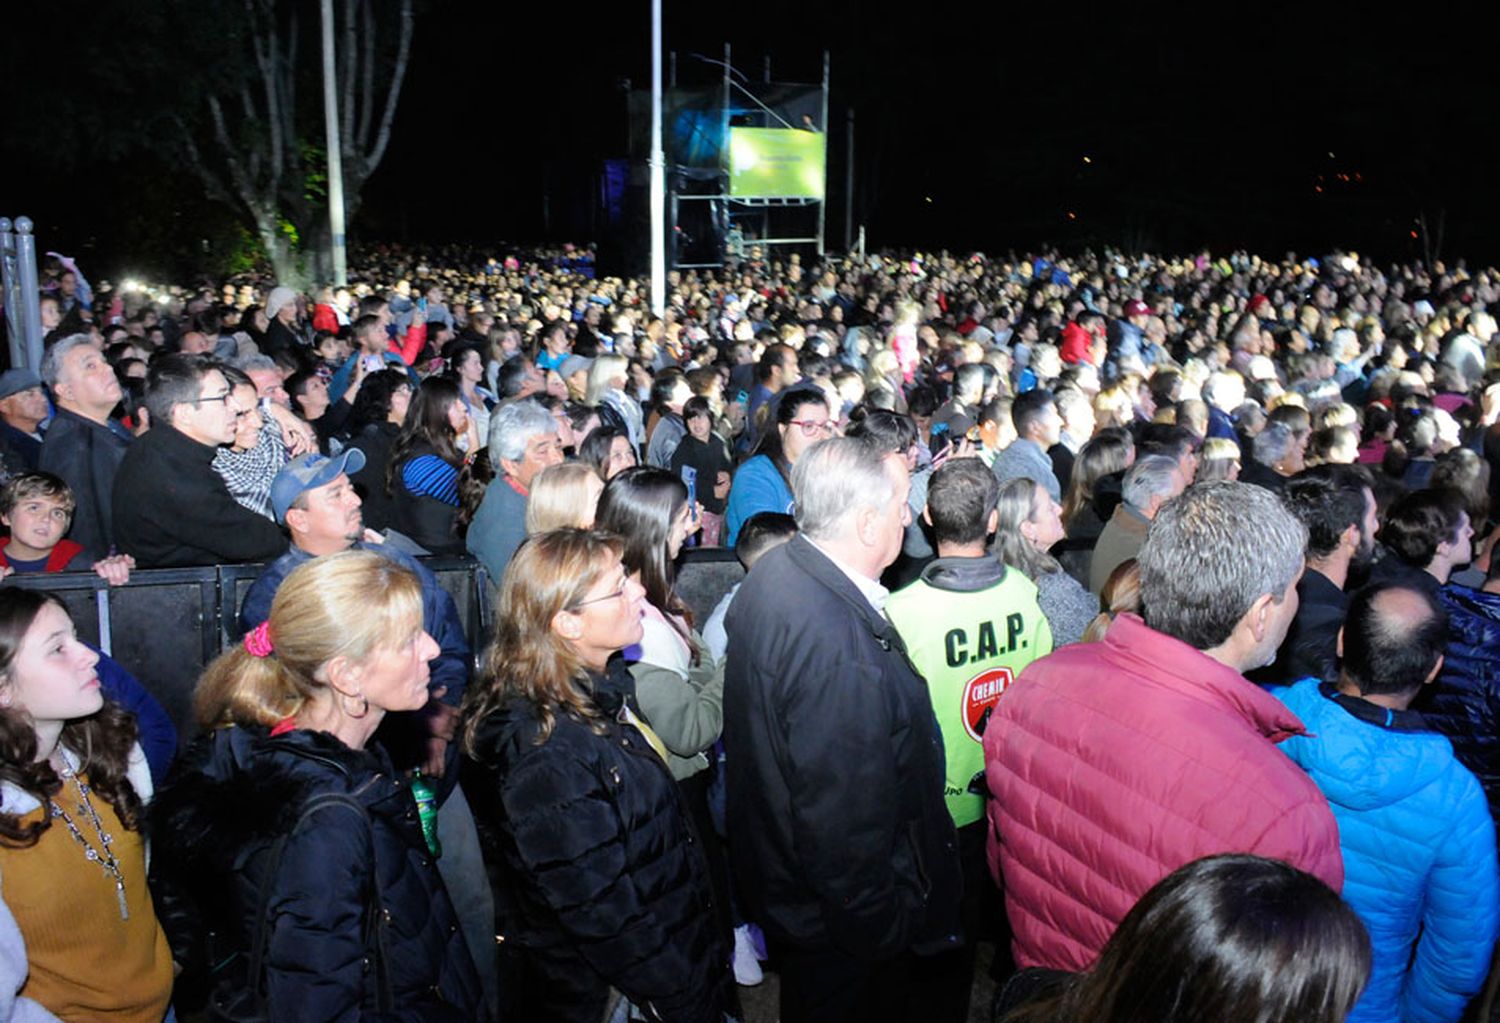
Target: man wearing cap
(313,498)
(23,407)
(1127,339)
(84,445)
(171,508)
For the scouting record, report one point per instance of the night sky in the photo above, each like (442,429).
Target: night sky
(1201,126)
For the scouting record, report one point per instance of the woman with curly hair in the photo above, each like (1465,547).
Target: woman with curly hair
(72,855)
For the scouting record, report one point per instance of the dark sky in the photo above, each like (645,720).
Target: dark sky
(1202,124)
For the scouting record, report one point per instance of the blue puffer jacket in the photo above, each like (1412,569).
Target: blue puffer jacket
(1464,702)
(1419,851)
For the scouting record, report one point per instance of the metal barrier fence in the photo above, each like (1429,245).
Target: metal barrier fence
(166,624)
(23,317)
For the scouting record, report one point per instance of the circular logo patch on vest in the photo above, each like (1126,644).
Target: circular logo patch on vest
(980,694)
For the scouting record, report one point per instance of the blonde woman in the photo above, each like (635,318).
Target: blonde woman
(1115,406)
(1219,460)
(607,382)
(1030,524)
(563,495)
(286,830)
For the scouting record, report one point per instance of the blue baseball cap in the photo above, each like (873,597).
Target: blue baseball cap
(309,472)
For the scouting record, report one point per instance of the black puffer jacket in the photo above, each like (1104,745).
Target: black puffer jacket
(231,795)
(1464,702)
(599,877)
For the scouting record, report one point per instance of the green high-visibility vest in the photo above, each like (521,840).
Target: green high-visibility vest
(969,646)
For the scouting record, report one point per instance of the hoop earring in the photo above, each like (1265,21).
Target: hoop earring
(364,707)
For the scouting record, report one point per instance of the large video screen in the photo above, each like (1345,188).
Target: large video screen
(776,163)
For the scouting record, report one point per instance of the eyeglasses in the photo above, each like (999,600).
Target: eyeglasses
(811,428)
(208,398)
(598,600)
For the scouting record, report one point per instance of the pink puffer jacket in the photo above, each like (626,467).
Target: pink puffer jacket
(1112,764)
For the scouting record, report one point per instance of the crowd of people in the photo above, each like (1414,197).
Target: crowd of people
(1137,615)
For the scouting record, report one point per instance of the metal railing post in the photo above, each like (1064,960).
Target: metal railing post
(10,277)
(30,296)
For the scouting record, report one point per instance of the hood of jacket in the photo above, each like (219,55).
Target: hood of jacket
(238,787)
(964,574)
(1363,764)
(1172,664)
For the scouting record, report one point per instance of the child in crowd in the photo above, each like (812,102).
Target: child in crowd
(770,530)
(761,533)
(37,508)
(705,452)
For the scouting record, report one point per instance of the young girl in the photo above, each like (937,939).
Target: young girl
(72,858)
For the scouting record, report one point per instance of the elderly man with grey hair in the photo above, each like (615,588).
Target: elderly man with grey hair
(1276,455)
(1150,483)
(85,445)
(1151,746)
(523,441)
(270,382)
(844,850)
(1224,391)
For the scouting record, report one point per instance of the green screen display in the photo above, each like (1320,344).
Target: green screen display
(776,162)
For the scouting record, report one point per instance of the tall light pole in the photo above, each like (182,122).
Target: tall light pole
(658,173)
(335,152)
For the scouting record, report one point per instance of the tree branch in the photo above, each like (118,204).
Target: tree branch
(403,54)
(289,102)
(265,53)
(367,83)
(213,185)
(346,79)
(243,184)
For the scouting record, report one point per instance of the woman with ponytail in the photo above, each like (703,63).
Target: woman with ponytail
(285,838)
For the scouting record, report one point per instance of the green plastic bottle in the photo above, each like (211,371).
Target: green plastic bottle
(427,811)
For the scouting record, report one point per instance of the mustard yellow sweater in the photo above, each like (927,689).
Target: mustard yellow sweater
(87,963)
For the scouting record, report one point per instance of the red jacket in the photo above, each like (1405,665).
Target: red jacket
(60,560)
(412,344)
(325,319)
(1112,764)
(1076,345)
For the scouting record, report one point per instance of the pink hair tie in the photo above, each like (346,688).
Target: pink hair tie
(258,640)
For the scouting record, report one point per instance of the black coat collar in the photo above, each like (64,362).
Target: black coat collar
(821,568)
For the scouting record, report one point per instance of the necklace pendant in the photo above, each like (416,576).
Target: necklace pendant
(120,894)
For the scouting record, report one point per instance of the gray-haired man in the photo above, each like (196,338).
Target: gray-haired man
(84,445)
(844,850)
(1150,483)
(523,441)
